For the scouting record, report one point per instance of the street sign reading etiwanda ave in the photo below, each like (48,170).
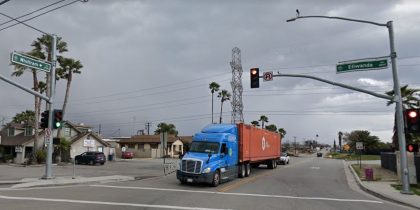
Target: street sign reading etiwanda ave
(362,65)
(30,62)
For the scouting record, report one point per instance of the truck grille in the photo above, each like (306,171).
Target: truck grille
(191,166)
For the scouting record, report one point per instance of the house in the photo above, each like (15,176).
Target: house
(149,146)
(17,140)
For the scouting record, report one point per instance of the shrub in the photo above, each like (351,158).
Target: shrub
(41,156)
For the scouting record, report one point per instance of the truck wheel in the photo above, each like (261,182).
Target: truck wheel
(216,179)
(248,169)
(275,163)
(242,171)
(270,164)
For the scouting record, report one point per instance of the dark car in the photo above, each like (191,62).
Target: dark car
(90,158)
(319,154)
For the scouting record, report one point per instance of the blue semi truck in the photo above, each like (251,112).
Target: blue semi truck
(222,152)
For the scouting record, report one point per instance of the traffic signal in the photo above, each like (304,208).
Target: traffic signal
(255,77)
(412,148)
(57,118)
(412,120)
(44,119)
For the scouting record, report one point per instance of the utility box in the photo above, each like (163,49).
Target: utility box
(369,174)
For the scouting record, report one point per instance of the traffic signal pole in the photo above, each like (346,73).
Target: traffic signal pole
(48,164)
(397,94)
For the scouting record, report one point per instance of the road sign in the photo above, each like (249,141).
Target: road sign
(359,145)
(346,147)
(362,65)
(30,62)
(267,76)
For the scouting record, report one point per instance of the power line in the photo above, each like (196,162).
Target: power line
(48,11)
(30,13)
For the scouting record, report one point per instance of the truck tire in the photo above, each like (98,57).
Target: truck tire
(270,164)
(242,171)
(275,163)
(216,179)
(248,169)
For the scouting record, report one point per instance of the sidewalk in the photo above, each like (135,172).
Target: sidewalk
(384,190)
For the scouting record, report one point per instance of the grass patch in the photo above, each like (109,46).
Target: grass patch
(353,156)
(414,188)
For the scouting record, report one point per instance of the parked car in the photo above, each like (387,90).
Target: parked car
(90,158)
(284,159)
(127,155)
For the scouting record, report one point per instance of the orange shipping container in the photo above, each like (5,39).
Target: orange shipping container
(258,145)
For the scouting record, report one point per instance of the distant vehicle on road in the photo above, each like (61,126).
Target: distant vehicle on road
(90,158)
(127,155)
(284,159)
(319,154)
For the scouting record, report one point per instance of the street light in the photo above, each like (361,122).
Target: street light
(397,98)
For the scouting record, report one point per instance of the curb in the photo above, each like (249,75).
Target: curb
(379,195)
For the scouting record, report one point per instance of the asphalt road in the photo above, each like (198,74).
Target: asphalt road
(307,183)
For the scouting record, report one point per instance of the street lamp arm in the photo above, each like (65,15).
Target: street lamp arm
(387,97)
(340,18)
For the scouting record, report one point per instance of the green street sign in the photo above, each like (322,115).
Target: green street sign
(360,65)
(30,62)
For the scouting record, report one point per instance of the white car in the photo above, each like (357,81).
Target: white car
(284,159)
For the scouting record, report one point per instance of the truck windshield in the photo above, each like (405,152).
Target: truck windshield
(204,147)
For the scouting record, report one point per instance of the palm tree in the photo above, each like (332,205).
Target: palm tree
(38,86)
(255,123)
(164,127)
(214,87)
(263,119)
(68,67)
(224,95)
(42,47)
(282,132)
(340,136)
(410,99)
(271,127)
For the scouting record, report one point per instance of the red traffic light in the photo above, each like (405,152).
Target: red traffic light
(255,77)
(412,148)
(412,114)
(254,71)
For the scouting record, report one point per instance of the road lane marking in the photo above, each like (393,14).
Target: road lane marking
(106,203)
(243,181)
(239,194)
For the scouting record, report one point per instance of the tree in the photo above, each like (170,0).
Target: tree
(38,86)
(255,123)
(282,132)
(340,136)
(224,95)
(26,117)
(164,127)
(271,127)
(410,99)
(68,67)
(263,119)
(214,87)
(369,142)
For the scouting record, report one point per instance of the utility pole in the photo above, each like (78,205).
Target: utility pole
(295,143)
(99,129)
(147,126)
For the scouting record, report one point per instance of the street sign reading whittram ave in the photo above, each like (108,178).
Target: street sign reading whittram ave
(362,65)
(30,62)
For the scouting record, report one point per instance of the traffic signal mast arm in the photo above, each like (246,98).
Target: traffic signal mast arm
(337,84)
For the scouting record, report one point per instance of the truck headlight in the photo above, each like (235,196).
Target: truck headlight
(207,170)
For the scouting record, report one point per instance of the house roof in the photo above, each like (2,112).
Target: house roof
(15,140)
(146,139)
(185,139)
(81,135)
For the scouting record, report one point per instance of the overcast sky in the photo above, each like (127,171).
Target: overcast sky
(152,61)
